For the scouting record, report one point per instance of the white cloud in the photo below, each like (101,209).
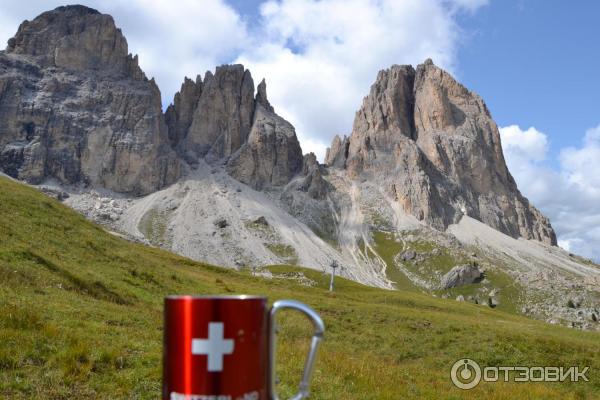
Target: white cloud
(579,164)
(529,144)
(320,57)
(177,39)
(568,194)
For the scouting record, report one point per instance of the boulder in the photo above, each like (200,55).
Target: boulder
(261,221)
(574,302)
(461,275)
(408,255)
(221,223)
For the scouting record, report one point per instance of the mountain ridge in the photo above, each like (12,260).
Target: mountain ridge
(220,177)
(214,118)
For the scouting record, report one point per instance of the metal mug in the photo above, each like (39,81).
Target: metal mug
(223,348)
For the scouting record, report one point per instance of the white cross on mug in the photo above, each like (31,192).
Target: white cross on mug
(215,347)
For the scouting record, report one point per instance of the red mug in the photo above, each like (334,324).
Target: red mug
(223,348)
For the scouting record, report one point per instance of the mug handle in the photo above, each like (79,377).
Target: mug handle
(303,389)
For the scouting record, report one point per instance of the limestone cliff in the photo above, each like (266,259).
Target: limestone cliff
(434,147)
(221,120)
(76,107)
(222,117)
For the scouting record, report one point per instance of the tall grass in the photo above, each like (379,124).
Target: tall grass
(81,317)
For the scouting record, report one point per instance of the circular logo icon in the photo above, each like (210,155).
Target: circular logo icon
(465,374)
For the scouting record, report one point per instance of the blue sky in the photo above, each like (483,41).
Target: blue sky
(535,63)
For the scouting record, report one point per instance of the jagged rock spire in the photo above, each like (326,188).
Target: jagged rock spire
(180,114)
(222,114)
(223,120)
(261,96)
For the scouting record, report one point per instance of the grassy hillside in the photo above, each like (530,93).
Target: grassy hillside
(81,317)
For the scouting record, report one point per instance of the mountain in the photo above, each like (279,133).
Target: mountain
(220,118)
(81,317)
(434,147)
(418,196)
(76,107)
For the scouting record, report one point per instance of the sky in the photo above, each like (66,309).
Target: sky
(534,62)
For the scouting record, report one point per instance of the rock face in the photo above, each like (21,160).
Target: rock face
(461,275)
(272,155)
(313,182)
(337,154)
(221,120)
(76,107)
(76,38)
(261,96)
(179,115)
(432,144)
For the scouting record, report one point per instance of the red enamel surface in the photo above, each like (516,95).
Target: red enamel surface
(245,371)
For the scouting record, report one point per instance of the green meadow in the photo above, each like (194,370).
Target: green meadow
(81,318)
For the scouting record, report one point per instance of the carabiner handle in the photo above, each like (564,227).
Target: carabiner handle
(303,389)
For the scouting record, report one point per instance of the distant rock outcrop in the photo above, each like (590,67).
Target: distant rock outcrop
(180,114)
(461,275)
(221,120)
(313,182)
(433,145)
(271,157)
(337,154)
(76,107)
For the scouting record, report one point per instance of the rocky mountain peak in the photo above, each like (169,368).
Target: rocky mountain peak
(222,117)
(337,154)
(272,155)
(180,114)
(261,96)
(75,107)
(435,146)
(386,114)
(77,38)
